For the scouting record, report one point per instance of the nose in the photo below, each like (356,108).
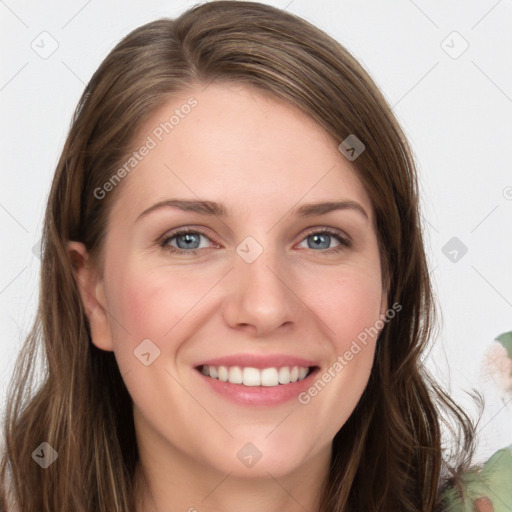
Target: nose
(260,295)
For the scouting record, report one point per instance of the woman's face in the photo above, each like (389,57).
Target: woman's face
(246,295)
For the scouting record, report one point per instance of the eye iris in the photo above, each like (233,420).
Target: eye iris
(186,240)
(189,237)
(319,236)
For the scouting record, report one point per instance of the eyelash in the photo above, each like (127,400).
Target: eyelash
(344,243)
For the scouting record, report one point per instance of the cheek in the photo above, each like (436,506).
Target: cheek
(351,311)
(149,303)
(161,304)
(153,304)
(348,305)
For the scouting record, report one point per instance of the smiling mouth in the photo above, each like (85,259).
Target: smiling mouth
(252,377)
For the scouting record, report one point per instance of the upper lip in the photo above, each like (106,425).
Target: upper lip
(258,361)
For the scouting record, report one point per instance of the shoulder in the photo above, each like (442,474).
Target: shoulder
(487,488)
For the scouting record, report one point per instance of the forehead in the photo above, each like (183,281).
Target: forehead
(239,146)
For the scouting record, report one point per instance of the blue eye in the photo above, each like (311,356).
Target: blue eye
(188,241)
(322,238)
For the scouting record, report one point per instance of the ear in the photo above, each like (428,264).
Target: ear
(92,292)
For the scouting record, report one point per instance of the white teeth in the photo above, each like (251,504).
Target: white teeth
(223,373)
(269,377)
(252,377)
(284,375)
(235,375)
(249,376)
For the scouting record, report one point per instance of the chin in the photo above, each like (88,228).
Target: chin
(262,458)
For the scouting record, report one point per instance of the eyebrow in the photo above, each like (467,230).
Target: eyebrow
(218,209)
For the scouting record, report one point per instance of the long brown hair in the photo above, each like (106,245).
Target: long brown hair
(388,455)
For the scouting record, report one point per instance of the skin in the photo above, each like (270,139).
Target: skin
(261,157)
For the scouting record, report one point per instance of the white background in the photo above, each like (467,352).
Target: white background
(456,113)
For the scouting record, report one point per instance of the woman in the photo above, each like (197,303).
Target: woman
(256,369)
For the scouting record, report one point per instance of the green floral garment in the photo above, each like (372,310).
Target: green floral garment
(489,488)
(486,490)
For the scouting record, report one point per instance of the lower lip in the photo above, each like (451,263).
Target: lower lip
(259,395)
